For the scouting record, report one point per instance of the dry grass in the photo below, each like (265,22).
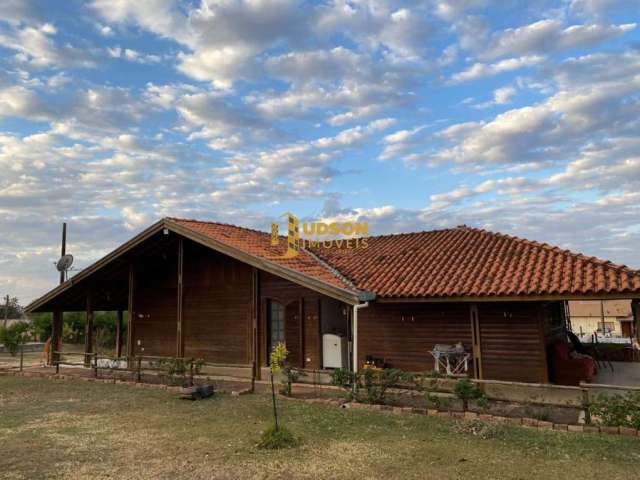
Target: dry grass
(58,429)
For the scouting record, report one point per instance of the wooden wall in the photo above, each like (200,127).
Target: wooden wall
(403,334)
(216,306)
(155,305)
(512,339)
(287,293)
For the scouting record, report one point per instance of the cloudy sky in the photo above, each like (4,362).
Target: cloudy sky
(515,116)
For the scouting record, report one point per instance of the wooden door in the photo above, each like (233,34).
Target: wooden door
(293,333)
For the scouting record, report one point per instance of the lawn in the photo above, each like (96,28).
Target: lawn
(73,429)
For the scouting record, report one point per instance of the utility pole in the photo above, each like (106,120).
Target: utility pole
(64,248)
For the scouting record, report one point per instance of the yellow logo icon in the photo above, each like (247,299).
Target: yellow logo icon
(347,235)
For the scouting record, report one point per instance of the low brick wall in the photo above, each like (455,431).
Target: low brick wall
(468,416)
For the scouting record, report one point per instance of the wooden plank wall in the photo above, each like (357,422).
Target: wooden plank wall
(403,334)
(216,306)
(513,346)
(286,292)
(155,306)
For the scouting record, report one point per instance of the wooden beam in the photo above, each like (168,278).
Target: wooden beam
(301,316)
(253,330)
(476,342)
(88,330)
(179,316)
(132,315)
(119,323)
(56,336)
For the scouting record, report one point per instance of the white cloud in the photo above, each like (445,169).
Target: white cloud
(480,70)
(549,35)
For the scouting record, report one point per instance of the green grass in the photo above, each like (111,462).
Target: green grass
(72,429)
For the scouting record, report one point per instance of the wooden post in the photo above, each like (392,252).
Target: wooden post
(132,316)
(119,323)
(56,337)
(88,331)
(476,341)
(179,318)
(255,329)
(301,316)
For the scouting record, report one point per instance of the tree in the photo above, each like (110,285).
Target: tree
(14,335)
(10,308)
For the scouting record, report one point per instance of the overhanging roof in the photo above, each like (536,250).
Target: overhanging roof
(303,270)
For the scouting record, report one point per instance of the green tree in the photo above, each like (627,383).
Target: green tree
(14,335)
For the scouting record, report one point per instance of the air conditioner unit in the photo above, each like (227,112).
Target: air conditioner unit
(334,351)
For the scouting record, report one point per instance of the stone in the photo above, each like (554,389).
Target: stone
(485,417)
(576,428)
(610,430)
(545,425)
(432,412)
(470,415)
(630,432)
(591,429)
(514,420)
(529,422)
(561,426)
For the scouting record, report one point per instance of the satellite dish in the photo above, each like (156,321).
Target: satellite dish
(64,263)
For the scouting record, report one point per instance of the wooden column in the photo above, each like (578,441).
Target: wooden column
(255,314)
(119,322)
(301,317)
(635,310)
(132,316)
(476,341)
(56,337)
(88,330)
(179,317)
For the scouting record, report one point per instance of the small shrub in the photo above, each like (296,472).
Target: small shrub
(483,402)
(466,390)
(291,375)
(275,438)
(617,410)
(376,382)
(14,335)
(480,429)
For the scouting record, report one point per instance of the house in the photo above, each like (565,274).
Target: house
(227,294)
(605,318)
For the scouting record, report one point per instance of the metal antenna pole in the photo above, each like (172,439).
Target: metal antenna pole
(64,249)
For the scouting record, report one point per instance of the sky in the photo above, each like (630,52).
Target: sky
(514,116)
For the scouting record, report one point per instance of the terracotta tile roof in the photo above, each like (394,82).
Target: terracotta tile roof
(460,261)
(466,261)
(258,244)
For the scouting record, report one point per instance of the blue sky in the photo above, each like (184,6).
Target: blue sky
(514,116)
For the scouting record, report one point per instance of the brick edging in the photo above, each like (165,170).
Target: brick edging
(524,422)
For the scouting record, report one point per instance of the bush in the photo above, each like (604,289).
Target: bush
(14,335)
(276,438)
(466,390)
(617,410)
(376,382)
(291,375)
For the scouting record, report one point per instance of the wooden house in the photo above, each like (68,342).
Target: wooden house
(226,294)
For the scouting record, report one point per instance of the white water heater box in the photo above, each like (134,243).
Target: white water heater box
(334,351)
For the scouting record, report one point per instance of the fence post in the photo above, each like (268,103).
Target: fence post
(21,356)
(95,364)
(139,367)
(585,406)
(57,360)
(191,373)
